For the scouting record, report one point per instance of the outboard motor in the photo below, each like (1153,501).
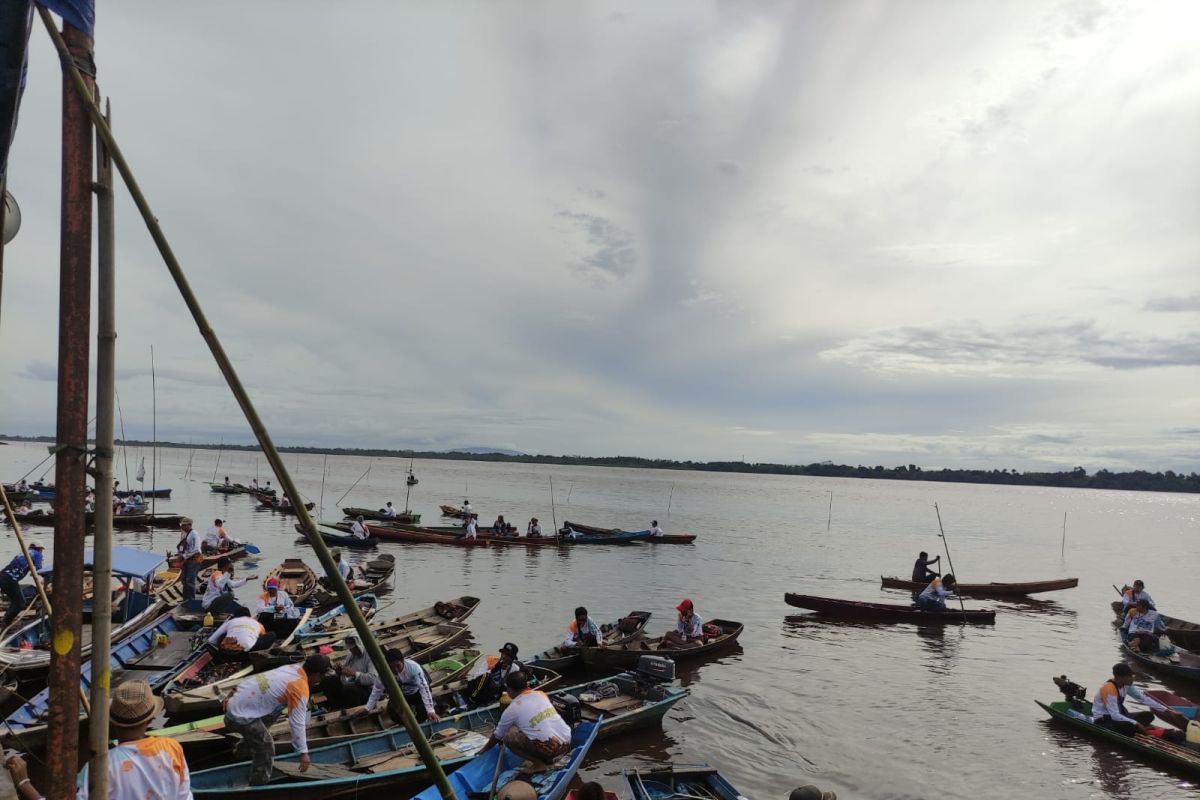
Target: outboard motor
(569,708)
(656,668)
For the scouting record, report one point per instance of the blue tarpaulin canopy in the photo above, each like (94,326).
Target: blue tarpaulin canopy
(126,562)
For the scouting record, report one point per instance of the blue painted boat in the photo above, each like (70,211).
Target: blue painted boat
(480,774)
(141,655)
(664,783)
(387,757)
(1182,664)
(572,536)
(335,620)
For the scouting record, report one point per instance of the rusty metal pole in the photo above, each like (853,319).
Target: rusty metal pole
(106,382)
(74,348)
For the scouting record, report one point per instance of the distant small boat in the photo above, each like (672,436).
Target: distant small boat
(1183,664)
(412,480)
(666,538)
(989,589)
(623,630)
(402,517)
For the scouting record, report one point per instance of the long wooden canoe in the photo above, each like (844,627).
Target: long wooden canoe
(455,610)
(887,612)
(1183,664)
(365,578)
(623,630)
(626,655)
(989,589)
(666,538)
(296,578)
(414,535)
(1182,632)
(1079,720)
(405,517)
(39,517)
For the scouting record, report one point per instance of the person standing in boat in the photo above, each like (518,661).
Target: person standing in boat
(933,598)
(10,580)
(353,678)
(486,678)
(581,631)
(414,684)
(239,635)
(1142,626)
(218,589)
(139,766)
(257,703)
(389,511)
(530,727)
(466,508)
(358,528)
(472,527)
(689,628)
(1131,596)
(189,549)
(1108,706)
(534,530)
(921,573)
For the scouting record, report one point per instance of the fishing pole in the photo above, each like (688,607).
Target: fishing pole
(124,448)
(1064,538)
(949,560)
(829,522)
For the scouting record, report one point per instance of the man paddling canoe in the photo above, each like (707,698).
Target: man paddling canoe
(921,572)
(933,598)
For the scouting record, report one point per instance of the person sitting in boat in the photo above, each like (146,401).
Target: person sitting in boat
(921,573)
(276,610)
(472,526)
(10,579)
(240,634)
(353,678)
(581,631)
(138,766)
(258,701)
(138,500)
(358,528)
(343,568)
(25,508)
(285,501)
(1142,626)
(655,530)
(689,628)
(216,540)
(22,486)
(466,507)
(485,681)
(530,727)
(218,589)
(414,684)
(1108,706)
(227,483)
(533,530)
(933,598)
(500,527)
(254,484)
(389,511)
(1131,596)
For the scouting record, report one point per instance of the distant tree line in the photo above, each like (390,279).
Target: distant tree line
(1078,478)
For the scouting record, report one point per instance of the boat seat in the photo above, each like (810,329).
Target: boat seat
(613,705)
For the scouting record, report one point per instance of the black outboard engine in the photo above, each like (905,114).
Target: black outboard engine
(656,668)
(569,708)
(1070,689)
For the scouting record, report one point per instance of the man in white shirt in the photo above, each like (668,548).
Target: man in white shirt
(534,528)
(215,539)
(189,548)
(933,598)
(221,585)
(414,683)
(390,511)
(466,508)
(257,703)
(472,527)
(240,634)
(689,627)
(531,727)
(654,529)
(359,529)
(1108,706)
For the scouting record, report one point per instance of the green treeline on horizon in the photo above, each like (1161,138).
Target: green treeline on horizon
(1077,478)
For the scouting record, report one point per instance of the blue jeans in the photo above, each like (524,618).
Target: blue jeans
(191,569)
(931,604)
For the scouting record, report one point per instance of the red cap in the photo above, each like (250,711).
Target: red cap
(686,605)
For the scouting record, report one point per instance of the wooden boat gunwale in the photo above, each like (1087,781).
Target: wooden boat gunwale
(993,589)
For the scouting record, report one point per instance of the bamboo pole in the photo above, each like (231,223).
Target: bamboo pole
(395,695)
(106,380)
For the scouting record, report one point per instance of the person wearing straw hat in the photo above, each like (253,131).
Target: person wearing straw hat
(10,580)
(189,548)
(139,766)
(256,704)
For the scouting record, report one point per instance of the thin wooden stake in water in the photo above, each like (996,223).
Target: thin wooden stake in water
(670,497)
(949,560)
(351,489)
(321,508)
(1064,539)
(829,522)
(217,466)
(553,515)
(153,433)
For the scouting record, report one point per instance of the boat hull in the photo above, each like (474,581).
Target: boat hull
(1176,756)
(988,589)
(627,654)
(1182,632)
(887,612)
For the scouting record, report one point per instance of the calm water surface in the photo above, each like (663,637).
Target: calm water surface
(895,711)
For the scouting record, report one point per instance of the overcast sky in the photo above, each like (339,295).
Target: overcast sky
(949,233)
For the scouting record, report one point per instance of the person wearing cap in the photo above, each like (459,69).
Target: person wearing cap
(581,631)
(216,540)
(240,634)
(933,597)
(276,610)
(256,704)
(390,510)
(414,683)
(810,792)
(1141,627)
(189,548)
(354,677)
(486,678)
(533,529)
(530,727)
(689,628)
(139,766)
(10,580)
(1131,596)
(218,589)
(359,529)
(1108,706)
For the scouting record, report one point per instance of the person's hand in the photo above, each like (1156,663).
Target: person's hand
(1140,727)
(348,672)
(305,762)
(433,716)
(16,768)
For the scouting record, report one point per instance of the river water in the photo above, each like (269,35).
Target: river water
(887,711)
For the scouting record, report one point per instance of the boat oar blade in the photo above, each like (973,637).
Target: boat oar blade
(252,550)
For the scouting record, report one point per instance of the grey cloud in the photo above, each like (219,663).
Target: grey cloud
(1174,303)
(729,167)
(615,255)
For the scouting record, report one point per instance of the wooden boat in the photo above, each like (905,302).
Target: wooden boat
(1174,702)
(25,652)
(451,667)
(453,511)
(203,685)
(414,535)
(456,610)
(623,630)
(627,654)
(989,589)
(364,579)
(666,538)
(1079,719)
(1181,631)
(573,536)
(887,612)
(142,655)
(340,540)
(336,620)
(160,494)
(1183,664)
(664,783)
(233,488)
(450,696)
(274,504)
(421,640)
(406,517)
(46,518)
(499,767)
(296,578)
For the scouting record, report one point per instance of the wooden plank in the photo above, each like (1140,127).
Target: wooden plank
(315,772)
